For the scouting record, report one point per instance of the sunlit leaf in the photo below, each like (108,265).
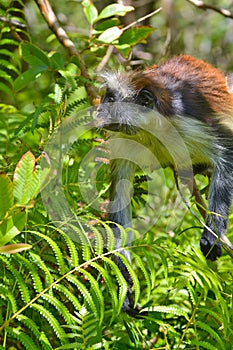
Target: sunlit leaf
(26,179)
(6,194)
(90,11)
(114,10)
(14,248)
(110,34)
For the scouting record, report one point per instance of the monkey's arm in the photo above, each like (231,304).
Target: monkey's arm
(121,191)
(221,193)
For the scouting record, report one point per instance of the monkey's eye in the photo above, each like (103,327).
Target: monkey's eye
(146,99)
(108,98)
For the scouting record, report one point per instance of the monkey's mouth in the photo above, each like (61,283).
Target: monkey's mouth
(123,128)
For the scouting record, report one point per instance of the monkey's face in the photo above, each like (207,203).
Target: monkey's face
(124,108)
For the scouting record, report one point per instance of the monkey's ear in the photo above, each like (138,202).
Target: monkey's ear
(229,82)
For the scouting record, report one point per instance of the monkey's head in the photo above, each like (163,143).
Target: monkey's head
(183,86)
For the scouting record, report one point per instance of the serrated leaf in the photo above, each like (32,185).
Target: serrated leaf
(136,284)
(90,11)
(212,332)
(123,285)
(174,310)
(111,34)
(6,195)
(26,179)
(111,287)
(114,10)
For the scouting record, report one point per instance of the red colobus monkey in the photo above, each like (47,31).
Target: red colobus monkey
(196,99)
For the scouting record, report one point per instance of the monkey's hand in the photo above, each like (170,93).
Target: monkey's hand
(209,247)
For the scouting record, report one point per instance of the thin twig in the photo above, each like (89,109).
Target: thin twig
(202,5)
(63,38)
(142,18)
(105,59)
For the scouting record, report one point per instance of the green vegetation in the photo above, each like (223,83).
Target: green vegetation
(57,292)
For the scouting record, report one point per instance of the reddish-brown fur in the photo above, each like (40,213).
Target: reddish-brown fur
(199,75)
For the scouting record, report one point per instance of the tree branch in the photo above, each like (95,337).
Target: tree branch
(204,6)
(62,36)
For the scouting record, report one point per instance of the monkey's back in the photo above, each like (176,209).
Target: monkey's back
(197,89)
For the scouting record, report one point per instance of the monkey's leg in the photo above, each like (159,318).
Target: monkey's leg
(121,191)
(220,197)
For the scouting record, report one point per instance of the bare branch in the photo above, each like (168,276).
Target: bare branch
(142,18)
(62,36)
(105,59)
(204,6)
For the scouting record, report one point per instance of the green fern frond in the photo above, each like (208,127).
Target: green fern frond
(174,310)
(32,271)
(61,308)
(85,293)
(85,333)
(110,238)
(57,252)
(69,296)
(133,275)
(96,293)
(6,294)
(99,241)
(37,260)
(111,288)
(192,293)
(213,334)
(23,338)
(204,345)
(51,320)
(74,258)
(145,272)
(31,325)
(20,282)
(72,106)
(83,238)
(123,286)
(10,65)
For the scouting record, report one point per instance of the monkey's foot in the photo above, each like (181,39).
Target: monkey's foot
(128,307)
(211,250)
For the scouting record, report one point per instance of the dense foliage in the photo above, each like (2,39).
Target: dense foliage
(59,286)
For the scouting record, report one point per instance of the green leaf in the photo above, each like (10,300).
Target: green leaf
(212,333)
(106,24)
(56,61)
(124,49)
(111,34)
(90,11)
(6,195)
(123,285)
(34,56)
(27,77)
(51,319)
(114,10)
(12,227)
(26,179)
(174,310)
(134,35)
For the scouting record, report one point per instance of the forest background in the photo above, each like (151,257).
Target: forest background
(59,287)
